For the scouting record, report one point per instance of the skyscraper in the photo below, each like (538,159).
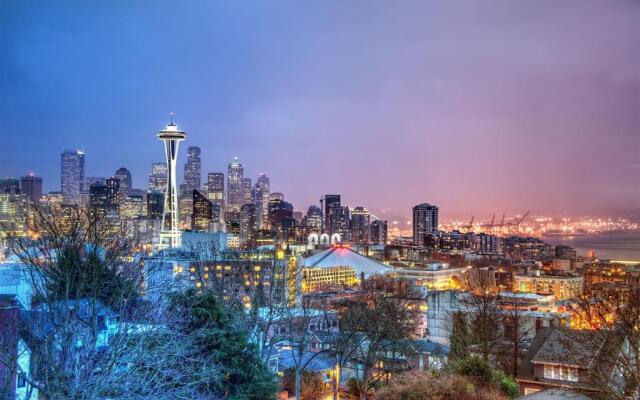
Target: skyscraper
(72,175)
(124,176)
(248,224)
(98,199)
(379,232)
(234,186)
(31,187)
(158,177)
(113,195)
(329,201)
(425,222)
(192,171)
(247,190)
(339,221)
(261,199)
(155,204)
(215,192)
(202,214)
(10,186)
(170,235)
(360,229)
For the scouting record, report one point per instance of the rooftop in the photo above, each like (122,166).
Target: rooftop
(343,256)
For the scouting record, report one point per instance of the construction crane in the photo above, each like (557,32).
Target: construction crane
(523,217)
(470,226)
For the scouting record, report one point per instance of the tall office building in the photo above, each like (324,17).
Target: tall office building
(132,207)
(113,195)
(9,186)
(261,199)
(158,177)
(98,199)
(192,171)
(249,224)
(425,222)
(360,225)
(247,191)
(234,186)
(31,187)
(124,176)
(215,193)
(202,215)
(329,201)
(276,196)
(313,219)
(72,175)
(379,232)
(170,235)
(94,180)
(155,204)
(280,217)
(340,221)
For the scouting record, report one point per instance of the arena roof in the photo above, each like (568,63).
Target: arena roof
(344,256)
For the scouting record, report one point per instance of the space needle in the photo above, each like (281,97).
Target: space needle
(170,235)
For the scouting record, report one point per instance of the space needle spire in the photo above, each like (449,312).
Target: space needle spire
(170,235)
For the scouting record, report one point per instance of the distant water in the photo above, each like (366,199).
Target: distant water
(615,245)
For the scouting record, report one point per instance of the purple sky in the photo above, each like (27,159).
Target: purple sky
(475,106)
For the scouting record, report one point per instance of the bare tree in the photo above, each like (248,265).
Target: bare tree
(484,313)
(386,314)
(92,334)
(609,320)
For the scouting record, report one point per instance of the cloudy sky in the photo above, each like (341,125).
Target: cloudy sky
(478,107)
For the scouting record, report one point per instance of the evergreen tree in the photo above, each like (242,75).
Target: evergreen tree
(460,338)
(220,338)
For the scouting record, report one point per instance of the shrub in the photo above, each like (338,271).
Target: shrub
(508,385)
(474,367)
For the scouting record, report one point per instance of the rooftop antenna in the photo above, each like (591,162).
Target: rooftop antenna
(171,118)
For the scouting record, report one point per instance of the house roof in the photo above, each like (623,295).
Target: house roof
(342,256)
(317,362)
(592,350)
(573,348)
(554,394)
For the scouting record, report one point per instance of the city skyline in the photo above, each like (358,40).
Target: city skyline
(552,126)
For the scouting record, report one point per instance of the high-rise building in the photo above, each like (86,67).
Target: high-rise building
(313,219)
(72,175)
(248,224)
(94,180)
(261,199)
(279,212)
(13,210)
(9,186)
(31,187)
(234,186)
(124,176)
(98,199)
(247,191)
(170,235)
(192,171)
(360,225)
(158,177)
(276,196)
(132,207)
(202,215)
(379,232)
(113,195)
(155,204)
(340,221)
(425,222)
(215,192)
(329,201)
